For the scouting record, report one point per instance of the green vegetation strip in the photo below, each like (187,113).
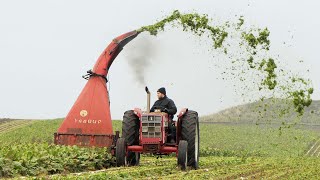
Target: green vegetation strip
(216,140)
(43,159)
(210,168)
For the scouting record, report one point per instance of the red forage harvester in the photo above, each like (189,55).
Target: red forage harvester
(89,121)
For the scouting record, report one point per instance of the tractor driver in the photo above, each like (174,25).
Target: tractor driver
(164,103)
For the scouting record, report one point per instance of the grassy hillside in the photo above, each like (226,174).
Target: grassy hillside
(267,111)
(253,140)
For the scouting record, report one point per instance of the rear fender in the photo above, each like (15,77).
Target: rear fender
(178,123)
(137,112)
(182,112)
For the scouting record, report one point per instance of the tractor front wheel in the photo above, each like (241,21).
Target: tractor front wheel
(183,154)
(130,132)
(121,152)
(190,133)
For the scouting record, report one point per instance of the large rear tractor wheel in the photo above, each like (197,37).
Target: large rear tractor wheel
(183,154)
(121,149)
(190,133)
(130,132)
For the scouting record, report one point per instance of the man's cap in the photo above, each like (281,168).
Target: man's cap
(162,90)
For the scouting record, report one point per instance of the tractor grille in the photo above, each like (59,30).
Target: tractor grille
(151,126)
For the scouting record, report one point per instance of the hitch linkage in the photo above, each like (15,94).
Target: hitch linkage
(90,74)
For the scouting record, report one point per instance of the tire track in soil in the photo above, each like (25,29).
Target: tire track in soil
(9,124)
(284,175)
(115,170)
(153,169)
(317,149)
(318,154)
(271,173)
(217,168)
(244,174)
(214,168)
(14,125)
(262,173)
(254,175)
(313,149)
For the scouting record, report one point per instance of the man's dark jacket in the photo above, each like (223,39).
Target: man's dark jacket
(165,103)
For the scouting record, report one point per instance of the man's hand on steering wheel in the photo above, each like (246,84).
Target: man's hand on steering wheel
(161,108)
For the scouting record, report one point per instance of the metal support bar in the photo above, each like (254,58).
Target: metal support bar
(163,149)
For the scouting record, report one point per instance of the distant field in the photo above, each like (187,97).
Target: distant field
(7,125)
(253,140)
(269,111)
(35,131)
(227,151)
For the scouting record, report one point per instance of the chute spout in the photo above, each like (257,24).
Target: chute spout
(111,52)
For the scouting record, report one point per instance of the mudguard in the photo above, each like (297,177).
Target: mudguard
(182,112)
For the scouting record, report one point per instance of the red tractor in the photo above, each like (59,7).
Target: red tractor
(151,132)
(89,122)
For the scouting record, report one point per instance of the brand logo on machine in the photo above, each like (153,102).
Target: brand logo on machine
(87,121)
(83,113)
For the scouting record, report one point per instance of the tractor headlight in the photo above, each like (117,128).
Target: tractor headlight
(157,129)
(145,129)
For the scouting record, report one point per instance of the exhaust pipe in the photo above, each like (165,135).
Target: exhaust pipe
(148,99)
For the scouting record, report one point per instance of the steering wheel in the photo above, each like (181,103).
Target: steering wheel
(161,108)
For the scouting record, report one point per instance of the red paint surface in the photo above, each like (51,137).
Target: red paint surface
(163,149)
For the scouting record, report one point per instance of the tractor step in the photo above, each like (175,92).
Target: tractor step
(171,144)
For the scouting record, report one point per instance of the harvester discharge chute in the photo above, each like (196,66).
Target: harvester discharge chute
(89,121)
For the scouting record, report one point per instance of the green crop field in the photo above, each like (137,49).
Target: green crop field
(228,151)
(212,168)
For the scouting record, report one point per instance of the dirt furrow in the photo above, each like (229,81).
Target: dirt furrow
(312,147)
(316,150)
(14,126)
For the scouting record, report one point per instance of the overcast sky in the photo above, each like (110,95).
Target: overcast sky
(45,47)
